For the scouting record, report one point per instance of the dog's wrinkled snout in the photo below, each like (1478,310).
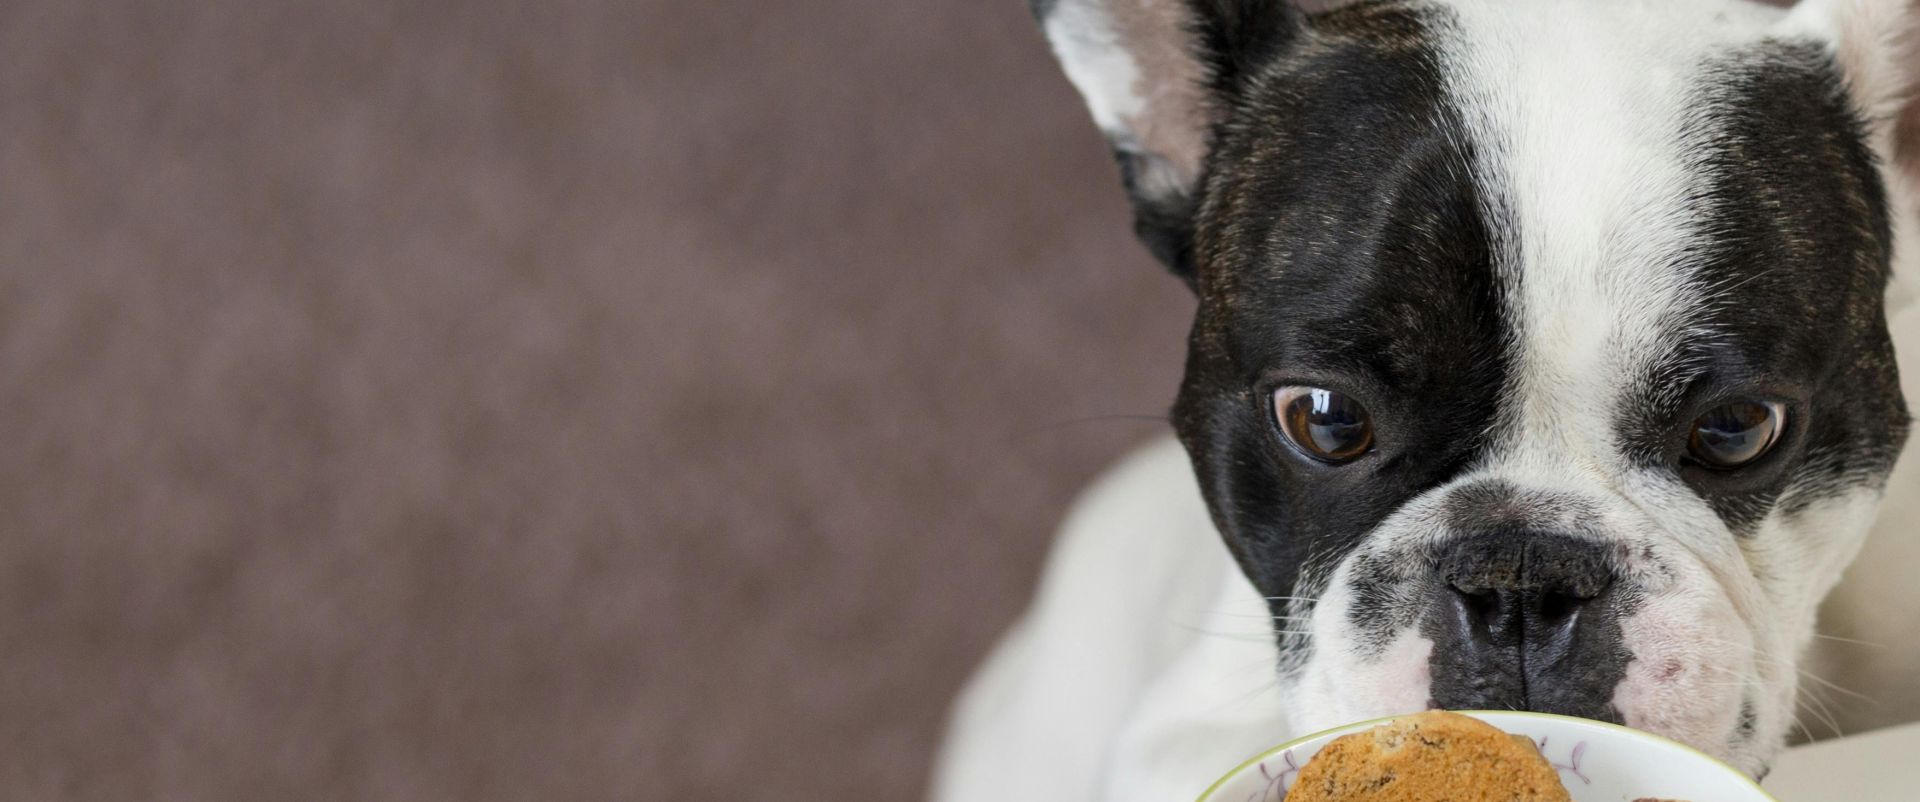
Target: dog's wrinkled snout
(1521,621)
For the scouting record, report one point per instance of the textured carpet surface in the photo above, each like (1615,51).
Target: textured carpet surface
(483,400)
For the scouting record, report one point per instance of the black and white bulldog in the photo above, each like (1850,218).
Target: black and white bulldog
(1544,360)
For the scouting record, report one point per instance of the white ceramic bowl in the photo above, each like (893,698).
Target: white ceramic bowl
(1598,763)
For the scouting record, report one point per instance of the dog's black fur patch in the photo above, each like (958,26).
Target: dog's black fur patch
(1340,229)
(1795,261)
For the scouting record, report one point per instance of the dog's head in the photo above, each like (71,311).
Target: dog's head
(1541,359)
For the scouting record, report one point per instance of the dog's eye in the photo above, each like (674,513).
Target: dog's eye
(1326,425)
(1736,434)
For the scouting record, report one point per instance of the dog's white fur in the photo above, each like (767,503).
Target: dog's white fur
(1151,692)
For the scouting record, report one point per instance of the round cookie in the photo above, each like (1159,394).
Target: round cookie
(1431,757)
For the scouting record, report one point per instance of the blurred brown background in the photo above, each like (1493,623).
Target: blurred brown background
(631,400)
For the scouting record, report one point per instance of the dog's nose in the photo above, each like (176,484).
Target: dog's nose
(1524,621)
(1523,591)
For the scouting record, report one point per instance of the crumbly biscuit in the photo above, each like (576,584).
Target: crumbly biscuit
(1431,757)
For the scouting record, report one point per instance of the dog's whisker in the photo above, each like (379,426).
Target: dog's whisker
(1837,687)
(1811,699)
(1236,637)
(1802,727)
(1820,709)
(1795,722)
(1838,639)
(1249,635)
(1785,663)
(1243,698)
(1061,424)
(1748,649)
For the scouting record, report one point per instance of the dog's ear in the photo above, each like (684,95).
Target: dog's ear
(1876,44)
(1157,75)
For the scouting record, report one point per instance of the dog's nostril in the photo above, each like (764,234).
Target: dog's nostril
(1482,606)
(1559,606)
(1486,609)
